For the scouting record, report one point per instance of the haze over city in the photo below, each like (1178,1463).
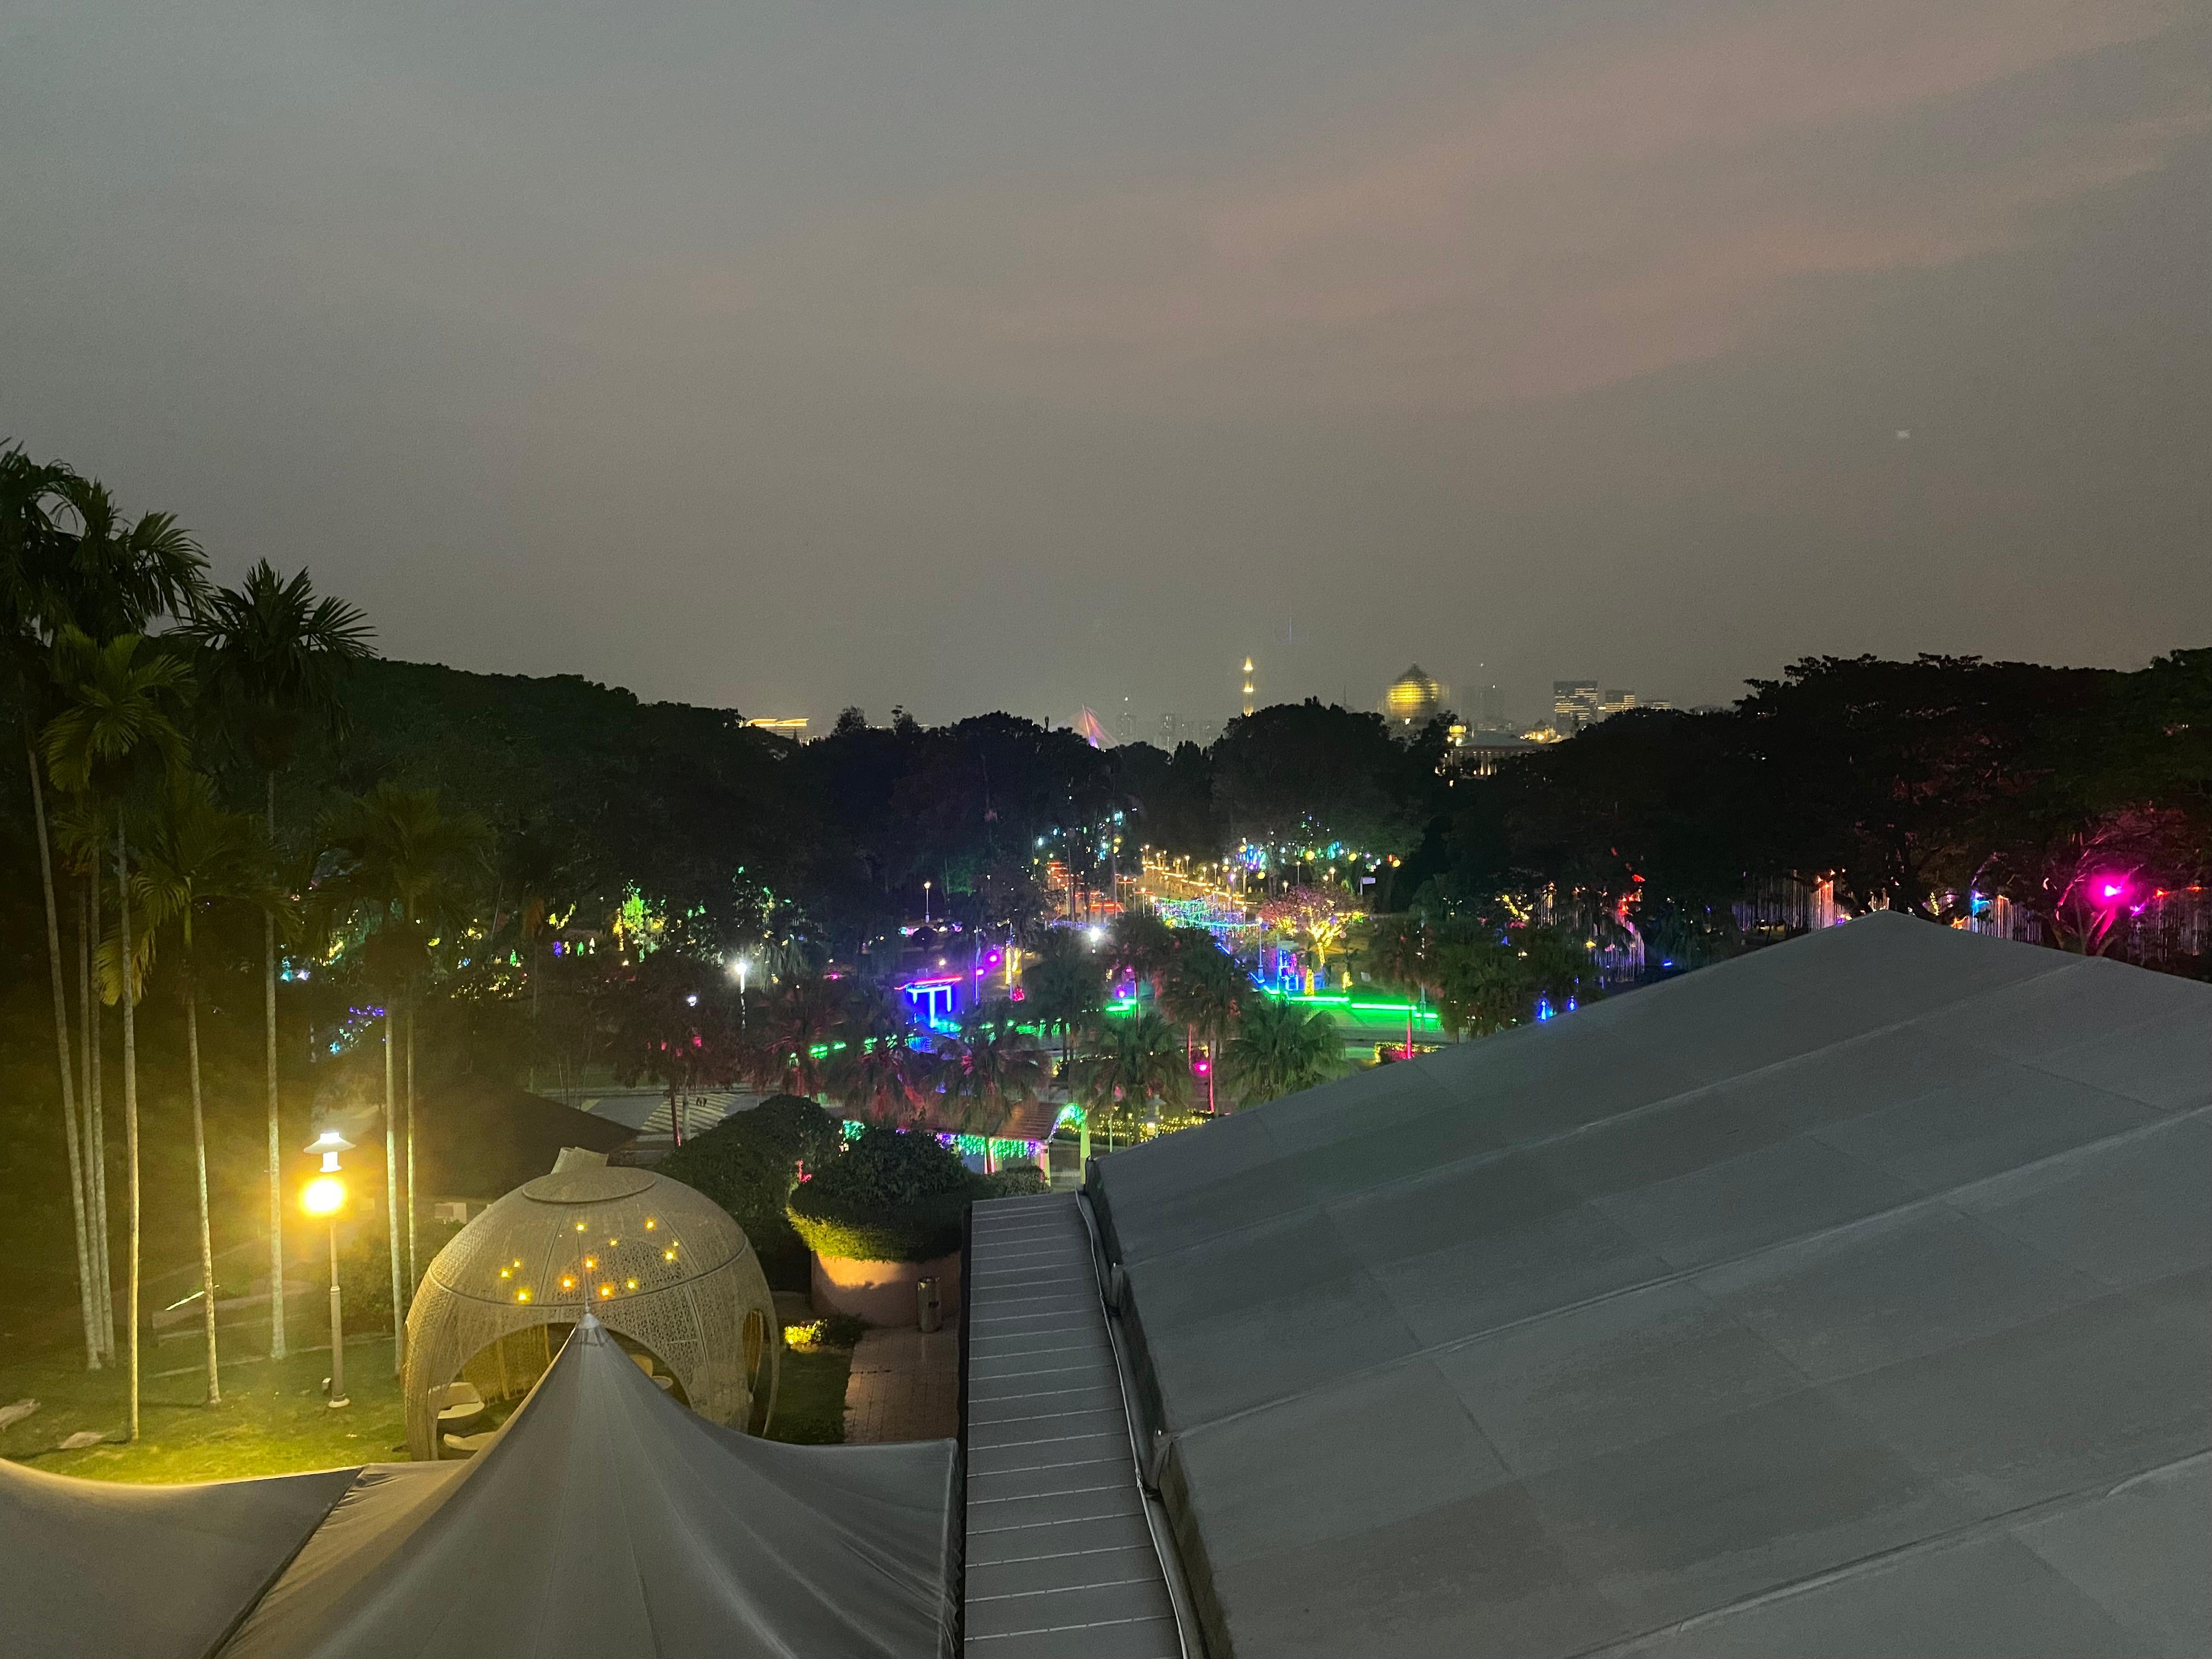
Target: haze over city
(1030,357)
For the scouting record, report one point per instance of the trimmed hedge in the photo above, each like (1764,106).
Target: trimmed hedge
(749,1163)
(892,1197)
(920,1233)
(1016,1180)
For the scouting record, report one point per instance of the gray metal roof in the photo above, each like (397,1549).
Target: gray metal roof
(1851,1298)
(1061,1564)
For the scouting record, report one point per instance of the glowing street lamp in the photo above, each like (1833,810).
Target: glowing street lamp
(925,904)
(325,1196)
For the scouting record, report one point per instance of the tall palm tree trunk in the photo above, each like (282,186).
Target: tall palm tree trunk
(276,1149)
(129,1104)
(199,1164)
(413,1277)
(85,1309)
(95,1122)
(391,1198)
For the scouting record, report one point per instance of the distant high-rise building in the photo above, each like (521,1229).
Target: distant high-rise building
(1251,686)
(1414,696)
(1574,705)
(1493,709)
(1615,702)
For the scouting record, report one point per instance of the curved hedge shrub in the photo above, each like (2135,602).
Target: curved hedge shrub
(1016,1180)
(750,1162)
(891,1197)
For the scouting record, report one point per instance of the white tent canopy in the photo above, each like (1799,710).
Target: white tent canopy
(603,1519)
(1852,1297)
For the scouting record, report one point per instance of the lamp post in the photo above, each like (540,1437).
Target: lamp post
(325,1195)
(925,904)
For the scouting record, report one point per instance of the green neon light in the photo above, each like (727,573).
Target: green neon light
(1318,1000)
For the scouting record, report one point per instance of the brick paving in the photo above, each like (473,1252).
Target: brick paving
(904,1386)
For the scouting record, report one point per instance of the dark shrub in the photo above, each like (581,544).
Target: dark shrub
(1016,1180)
(750,1162)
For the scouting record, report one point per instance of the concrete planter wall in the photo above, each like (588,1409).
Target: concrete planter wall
(882,1292)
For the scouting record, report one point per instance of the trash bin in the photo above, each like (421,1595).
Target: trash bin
(928,1306)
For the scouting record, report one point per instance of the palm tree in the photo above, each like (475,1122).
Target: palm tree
(991,1066)
(802,1023)
(80,839)
(1131,1062)
(1144,944)
(113,575)
(1064,985)
(1277,1050)
(1398,950)
(1204,988)
(271,654)
(28,492)
(192,854)
(109,576)
(118,722)
(876,1073)
(675,1020)
(1482,986)
(403,858)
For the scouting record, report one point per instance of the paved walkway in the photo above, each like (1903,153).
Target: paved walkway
(904,1386)
(1060,1562)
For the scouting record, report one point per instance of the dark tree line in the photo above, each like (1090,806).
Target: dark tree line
(1924,787)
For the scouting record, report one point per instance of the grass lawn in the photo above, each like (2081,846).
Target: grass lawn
(810,1405)
(273,1419)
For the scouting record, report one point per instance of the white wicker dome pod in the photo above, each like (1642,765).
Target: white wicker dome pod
(655,1259)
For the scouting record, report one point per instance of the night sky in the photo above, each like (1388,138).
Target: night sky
(1028,354)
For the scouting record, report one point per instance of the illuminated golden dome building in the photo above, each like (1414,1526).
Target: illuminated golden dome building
(1414,696)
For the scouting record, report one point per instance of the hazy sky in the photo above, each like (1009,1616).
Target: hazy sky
(1024,353)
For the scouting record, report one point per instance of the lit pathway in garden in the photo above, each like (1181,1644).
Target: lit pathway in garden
(1059,1562)
(904,1385)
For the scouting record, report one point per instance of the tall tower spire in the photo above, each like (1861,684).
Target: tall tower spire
(1250,691)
